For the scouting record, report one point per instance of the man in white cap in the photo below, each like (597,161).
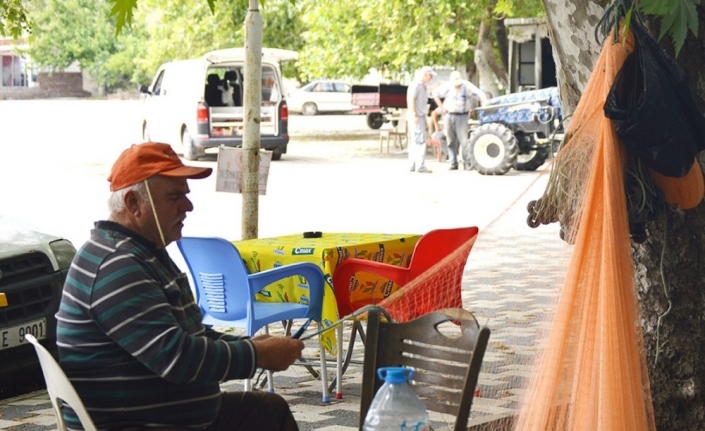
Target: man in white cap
(456,105)
(416,105)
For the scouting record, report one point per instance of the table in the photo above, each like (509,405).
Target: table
(327,252)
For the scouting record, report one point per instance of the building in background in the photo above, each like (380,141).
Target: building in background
(20,78)
(17,69)
(530,55)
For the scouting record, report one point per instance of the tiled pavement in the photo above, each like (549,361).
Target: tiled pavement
(511,281)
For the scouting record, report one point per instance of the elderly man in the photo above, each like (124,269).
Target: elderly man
(129,333)
(456,105)
(416,109)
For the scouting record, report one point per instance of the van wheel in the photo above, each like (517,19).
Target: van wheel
(145,133)
(309,108)
(276,155)
(187,149)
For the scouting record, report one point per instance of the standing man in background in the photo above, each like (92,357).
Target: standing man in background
(457,96)
(416,101)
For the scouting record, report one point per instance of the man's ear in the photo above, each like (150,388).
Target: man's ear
(131,202)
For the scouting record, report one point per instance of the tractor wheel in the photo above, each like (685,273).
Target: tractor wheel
(492,149)
(375,120)
(531,160)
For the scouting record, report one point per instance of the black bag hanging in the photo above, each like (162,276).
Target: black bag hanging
(653,109)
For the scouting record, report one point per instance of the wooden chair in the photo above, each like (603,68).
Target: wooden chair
(398,135)
(445,349)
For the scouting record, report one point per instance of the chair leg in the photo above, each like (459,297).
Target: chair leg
(324,374)
(338,381)
(339,365)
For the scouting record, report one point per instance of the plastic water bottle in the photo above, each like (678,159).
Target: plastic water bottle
(396,407)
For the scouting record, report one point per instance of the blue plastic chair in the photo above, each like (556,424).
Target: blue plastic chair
(225,292)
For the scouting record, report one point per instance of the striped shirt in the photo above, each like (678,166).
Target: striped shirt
(131,340)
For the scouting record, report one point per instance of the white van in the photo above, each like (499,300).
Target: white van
(196,105)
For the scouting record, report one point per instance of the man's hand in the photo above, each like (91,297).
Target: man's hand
(277,353)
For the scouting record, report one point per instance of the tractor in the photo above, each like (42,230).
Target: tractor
(518,130)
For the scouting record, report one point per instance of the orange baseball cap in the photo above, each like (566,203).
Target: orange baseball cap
(142,161)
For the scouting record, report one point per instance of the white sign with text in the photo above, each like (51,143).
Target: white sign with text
(230,170)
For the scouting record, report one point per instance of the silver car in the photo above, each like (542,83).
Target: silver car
(33,267)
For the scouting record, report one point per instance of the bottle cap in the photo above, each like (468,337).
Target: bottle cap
(395,374)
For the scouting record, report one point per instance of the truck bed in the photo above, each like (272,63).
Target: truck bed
(382,95)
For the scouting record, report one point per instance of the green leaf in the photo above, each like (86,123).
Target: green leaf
(122,11)
(677,17)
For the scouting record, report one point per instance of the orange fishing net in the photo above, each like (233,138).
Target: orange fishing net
(592,373)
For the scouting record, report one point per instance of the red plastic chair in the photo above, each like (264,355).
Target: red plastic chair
(431,248)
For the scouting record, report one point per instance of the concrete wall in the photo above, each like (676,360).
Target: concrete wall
(51,85)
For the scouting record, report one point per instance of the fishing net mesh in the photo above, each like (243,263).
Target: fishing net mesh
(589,372)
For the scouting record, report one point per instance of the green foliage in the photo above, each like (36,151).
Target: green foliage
(179,29)
(14,20)
(68,31)
(393,36)
(120,42)
(678,16)
(519,9)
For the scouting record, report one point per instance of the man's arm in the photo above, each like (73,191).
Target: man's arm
(139,314)
(477,92)
(411,101)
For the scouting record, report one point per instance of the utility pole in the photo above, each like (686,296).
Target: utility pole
(252,108)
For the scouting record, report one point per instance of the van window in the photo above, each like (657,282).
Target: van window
(157,87)
(226,88)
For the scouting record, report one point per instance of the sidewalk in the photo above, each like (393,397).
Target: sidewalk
(511,282)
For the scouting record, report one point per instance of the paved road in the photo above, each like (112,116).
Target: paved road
(55,156)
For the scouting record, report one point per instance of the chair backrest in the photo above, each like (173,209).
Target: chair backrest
(445,349)
(60,388)
(452,244)
(213,94)
(437,244)
(213,262)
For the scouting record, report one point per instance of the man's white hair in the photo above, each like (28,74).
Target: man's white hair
(116,201)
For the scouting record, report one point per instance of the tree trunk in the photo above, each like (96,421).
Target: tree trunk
(485,61)
(500,36)
(670,265)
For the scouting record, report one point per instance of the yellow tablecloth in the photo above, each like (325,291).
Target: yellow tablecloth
(327,252)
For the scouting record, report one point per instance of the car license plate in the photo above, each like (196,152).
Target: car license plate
(14,335)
